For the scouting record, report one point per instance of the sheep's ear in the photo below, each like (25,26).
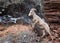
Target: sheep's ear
(33,9)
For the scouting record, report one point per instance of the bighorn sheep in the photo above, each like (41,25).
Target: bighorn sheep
(37,20)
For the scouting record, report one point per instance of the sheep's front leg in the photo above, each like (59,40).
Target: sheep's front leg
(33,25)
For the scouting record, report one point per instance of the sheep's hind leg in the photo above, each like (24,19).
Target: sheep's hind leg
(43,34)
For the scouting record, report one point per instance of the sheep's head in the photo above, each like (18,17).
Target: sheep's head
(31,12)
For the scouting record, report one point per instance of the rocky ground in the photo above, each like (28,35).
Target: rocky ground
(52,14)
